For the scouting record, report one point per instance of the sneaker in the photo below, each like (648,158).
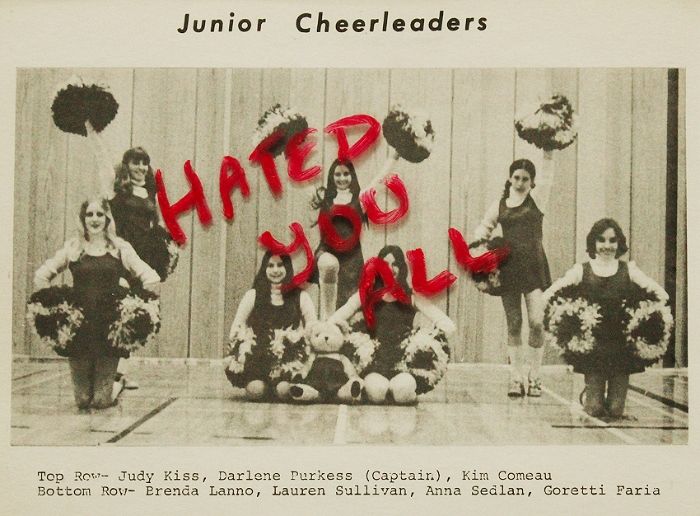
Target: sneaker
(516,389)
(534,387)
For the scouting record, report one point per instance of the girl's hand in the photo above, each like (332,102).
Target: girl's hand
(153,287)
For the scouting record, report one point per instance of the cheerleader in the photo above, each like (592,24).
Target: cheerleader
(334,267)
(97,259)
(265,308)
(524,274)
(130,187)
(607,281)
(394,321)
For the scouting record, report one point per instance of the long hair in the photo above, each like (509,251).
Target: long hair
(122,179)
(598,229)
(520,164)
(400,262)
(113,242)
(262,285)
(324,196)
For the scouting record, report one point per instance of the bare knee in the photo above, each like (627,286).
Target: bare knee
(328,267)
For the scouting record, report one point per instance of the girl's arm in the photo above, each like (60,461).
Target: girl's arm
(104,163)
(136,266)
(488,223)
(573,276)
(308,310)
(384,172)
(437,316)
(644,281)
(543,191)
(53,266)
(245,307)
(346,311)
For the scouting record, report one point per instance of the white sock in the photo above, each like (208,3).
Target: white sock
(515,355)
(535,360)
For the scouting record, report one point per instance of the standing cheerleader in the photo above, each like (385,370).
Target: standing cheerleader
(97,259)
(607,282)
(130,187)
(393,323)
(525,273)
(334,269)
(265,308)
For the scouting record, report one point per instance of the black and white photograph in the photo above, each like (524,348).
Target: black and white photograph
(354,256)
(327,257)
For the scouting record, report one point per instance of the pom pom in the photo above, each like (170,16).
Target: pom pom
(78,103)
(491,252)
(551,126)
(137,322)
(426,354)
(241,345)
(648,326)
(570,323)
(411,136)
(359,347)
(54,317)
(290,350)
(279,120)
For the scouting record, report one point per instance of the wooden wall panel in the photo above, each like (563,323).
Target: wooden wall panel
(46,166)
(208,244)
(648,189)
(241,234)
(164,123)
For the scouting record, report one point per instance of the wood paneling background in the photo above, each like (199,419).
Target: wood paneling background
(616,168)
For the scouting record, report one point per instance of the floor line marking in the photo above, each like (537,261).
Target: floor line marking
(340,425)
(140,421)
(29,374)
(39,382)
(575,407)
(639,400)
(656,397)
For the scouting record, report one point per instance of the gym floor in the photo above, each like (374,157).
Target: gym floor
(188,402)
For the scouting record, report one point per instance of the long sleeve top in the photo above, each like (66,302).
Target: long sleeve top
(71,252)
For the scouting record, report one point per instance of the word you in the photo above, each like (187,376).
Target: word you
(375,271)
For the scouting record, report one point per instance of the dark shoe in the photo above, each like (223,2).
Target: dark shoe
(516,389)
(355,389)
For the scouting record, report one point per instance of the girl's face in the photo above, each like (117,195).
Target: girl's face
(520,181)
(606,244)
(275,270)
(95,219)
(137,170)
(342,177)
(389,258)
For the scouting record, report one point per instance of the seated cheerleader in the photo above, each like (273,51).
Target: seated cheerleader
(263,309)
(393,322)
(97,259)
(606,281)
